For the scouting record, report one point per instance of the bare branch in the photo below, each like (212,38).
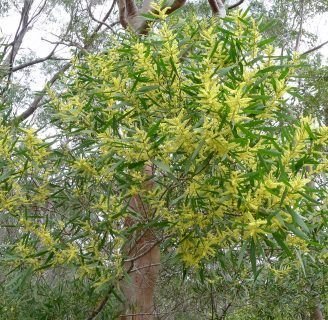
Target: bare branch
(22,29)
(218,8)
(146,266)
(94,33)
(235,5)
(177,4)
(314,49)
(38,12)
(50,56)
(131,8)
(149,247)
(68,43)
(36,102)
(98,21)
(19,35)
(36,61)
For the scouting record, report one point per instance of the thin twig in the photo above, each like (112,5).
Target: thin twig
(96,20)
(155,243)
(36,61)
(146,266)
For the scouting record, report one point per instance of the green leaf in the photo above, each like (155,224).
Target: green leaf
(280,240)
(296,231)
(270,152)
(242,252)
(298,254)
(148,88)
(163,166)
(253,256)
(298,219)
(264,42)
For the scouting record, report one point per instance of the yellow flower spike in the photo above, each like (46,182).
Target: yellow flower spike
(297,243)
(83,166)
(158,11)
(71,253)
(193,251)
(298,183)
(254,228)
(236,103)
(276,224)
(271,182)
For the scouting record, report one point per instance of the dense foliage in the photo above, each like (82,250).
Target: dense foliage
(203,103)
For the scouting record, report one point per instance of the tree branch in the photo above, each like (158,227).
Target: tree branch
(21,30)
(37,13)
(314,49)
(131,8)
(235,5)
(177,4)
(122,14)
(36,61)
(98,21)
(218,8)
(101,304)
(94,33)
(37,100)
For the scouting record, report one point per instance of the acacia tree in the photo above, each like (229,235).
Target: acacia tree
(177,141)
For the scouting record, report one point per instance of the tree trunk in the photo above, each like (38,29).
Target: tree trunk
(142,263)
(317,314)
(143,252)
(300,30)
(143,268)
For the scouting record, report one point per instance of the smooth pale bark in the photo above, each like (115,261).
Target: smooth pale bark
(143,272)
(142,263)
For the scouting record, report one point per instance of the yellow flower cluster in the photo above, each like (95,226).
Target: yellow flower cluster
(193,104)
